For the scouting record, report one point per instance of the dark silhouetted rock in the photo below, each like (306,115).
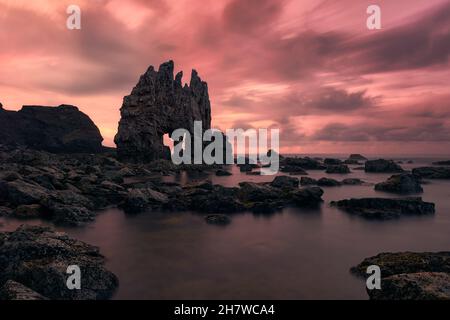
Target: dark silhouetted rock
(414,286)
(293,170)
(432,172)
(285,182)
(352,182)
(13,290)
(38,257)
(308,197)
(352,161)
(332,162)
(341,168)
(62,129)
(404,183)
(222,173)
(392,263)
(246,167)
(219,219)
(157,105)
(327,182)
(306,181)
(301,163)
(442,163)
(382,166)
(409,275)
(357,156)
(384,208)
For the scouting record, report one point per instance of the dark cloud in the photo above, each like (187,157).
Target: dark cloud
(429,131)
(421,43)
(249,16)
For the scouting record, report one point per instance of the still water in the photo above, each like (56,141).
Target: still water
(294,254)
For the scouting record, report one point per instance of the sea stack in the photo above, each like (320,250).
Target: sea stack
(158,105)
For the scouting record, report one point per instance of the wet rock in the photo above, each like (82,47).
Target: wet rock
(357,156)
(401,183)
(285,182)
(13,290)
(432,172)
(352,161)
(332,162)
(306,181)
(38,257)
(157,105)
(5,211)
(293,170)
(223,173)
(327,182)
(410,275)
(219,199)
(140,200)
(30,211)
(342,169)
(20,192)
(254,192)
(302,163)
(392,263)
(54,129)
(442,163)
(67,208)
(384,208)
(307,197)
(414,286)
(352,182)
(246,167)
(218,219)
(382,166)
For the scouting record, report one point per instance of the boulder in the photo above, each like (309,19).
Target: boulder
(382,166)
(223,173)
(13,290)
(285,182)
(139,200)
(218,219)
(352,182)
(20,192)
(341,168)
(404,183)
(306,181)
(385,208)
(38,257)
(62,129)
(409,275)
(327,182)
(293,170)
(307,197)
(332,162)
(302,163)
(414,286)
(442,163)
(30,211)
(392,263)
(432,172)
(357,157)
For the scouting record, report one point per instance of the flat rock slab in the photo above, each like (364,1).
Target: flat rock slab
(385,208)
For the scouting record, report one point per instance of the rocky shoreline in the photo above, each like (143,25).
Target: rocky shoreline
(79,177)
(69,190)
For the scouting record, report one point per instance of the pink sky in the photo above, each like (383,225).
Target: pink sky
(310,68)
